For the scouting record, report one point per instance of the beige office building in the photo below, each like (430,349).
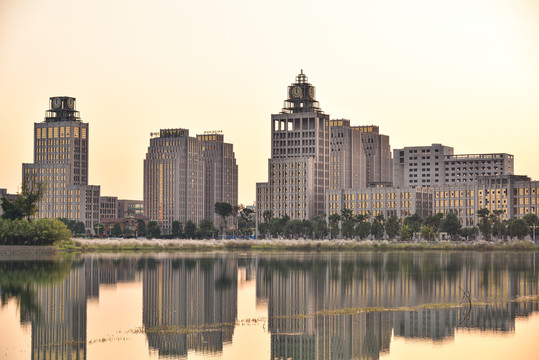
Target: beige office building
(437,165)
(61,163)
(184,177)
(298,171)
(220,173)
(379,164)
(347,157)
(380,200)
(514,195)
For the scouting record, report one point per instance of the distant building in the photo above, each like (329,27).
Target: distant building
(130,208)
(61,163)
(379,166)
(513,195)
(108,207)
(467,167)
(437,165)
(298,171)
(184,177)
(386,201)
(347,157)
(420,165)
(220,173)
(10,197)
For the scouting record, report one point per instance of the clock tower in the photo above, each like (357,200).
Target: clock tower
(298,170)
(301,96)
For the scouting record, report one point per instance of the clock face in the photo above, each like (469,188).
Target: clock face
(70,103)
(296,92)
(311,92)
(56,103)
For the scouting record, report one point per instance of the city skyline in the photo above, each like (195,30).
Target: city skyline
(462,74)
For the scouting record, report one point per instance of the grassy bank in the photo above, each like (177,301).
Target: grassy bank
(284,245)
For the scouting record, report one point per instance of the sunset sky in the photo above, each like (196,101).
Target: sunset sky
(464,73)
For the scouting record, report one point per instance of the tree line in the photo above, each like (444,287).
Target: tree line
(347,225)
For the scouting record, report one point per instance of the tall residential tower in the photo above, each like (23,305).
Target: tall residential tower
(184,177)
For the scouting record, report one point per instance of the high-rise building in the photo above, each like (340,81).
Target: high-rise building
(298,171)
(347,157)
(61,164)
(221,173)
(379,167)
(420,165)
(184,177)
(174,178)
(436,165)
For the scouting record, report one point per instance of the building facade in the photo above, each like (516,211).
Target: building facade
(220,173)
(513,195)
(184,177)
(466,167)
(420,165)
(386,201)
(61,163)
(379,164)
(437,164)
(108,207)
(130,208)
(298,171)
(347,157)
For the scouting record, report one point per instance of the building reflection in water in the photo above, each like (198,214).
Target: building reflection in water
(299,285)
(186,296)
(195,299)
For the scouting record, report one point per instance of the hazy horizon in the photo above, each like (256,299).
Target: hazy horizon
(461,73)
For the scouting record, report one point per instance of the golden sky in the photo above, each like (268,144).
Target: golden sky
(464,73)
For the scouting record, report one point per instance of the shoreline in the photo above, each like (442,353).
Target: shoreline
(120,244)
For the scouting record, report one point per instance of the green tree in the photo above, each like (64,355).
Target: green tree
(267,215)
(177,229)
(25,204)
(348,223)
(141,227)
(428,233)
(246,222)
(392,226)
(307,228)
(206,229)
(451,224)
(377,227)
(334,225)
(320,226)
(363,229)
(79,228)
(405,233)
(434,221)
(99,229)
(414,222)
(518,228)
(496,221)
(154,231)
(294,228)
(485,225)
(116,230)
(470,233)
(224,210)
(190,229)
(532,221)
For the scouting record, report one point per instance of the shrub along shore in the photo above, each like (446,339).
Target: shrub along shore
(79,244)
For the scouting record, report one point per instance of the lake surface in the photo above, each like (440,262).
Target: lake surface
(367,305)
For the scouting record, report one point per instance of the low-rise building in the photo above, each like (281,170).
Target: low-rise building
(387,201)
(108,207)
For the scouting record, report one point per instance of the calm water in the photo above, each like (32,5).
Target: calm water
(368,305)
